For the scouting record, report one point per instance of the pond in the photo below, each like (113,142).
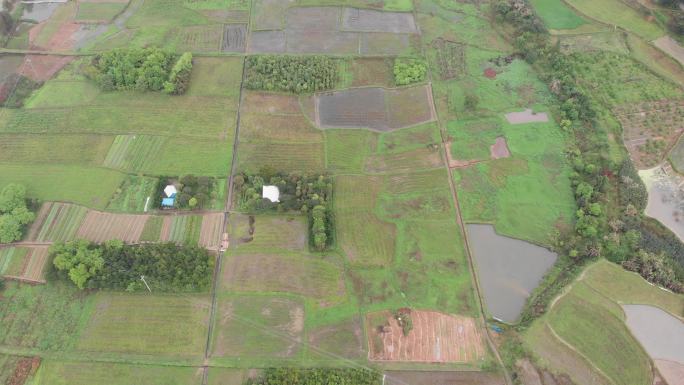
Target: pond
(665,199)
(662,336)
(508,269)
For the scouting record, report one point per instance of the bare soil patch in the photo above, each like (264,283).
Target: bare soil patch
(44,67)
(165,233)
(37,224)
(234,38)
(300,41)
(372,72)
(490,73)
(313,19)
(526,116)
(267,42)
(211,230)
(499,149)
(100,227)
(269,103)
(673,372)
(35,266)
(435,337)
(25,367)
(227,16)
(671,47)
(366,20)
(378,43)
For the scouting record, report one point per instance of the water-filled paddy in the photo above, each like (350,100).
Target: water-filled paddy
(508,269)
(665,199)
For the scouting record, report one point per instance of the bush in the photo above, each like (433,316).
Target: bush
(407,71)
(299,376)
(291,73)
(114,265)
(142,69)
(14,214)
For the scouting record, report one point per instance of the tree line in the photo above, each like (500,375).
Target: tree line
(309,194)
(114,265)
(297,74)
(610,197)
(318,376)
(141,69)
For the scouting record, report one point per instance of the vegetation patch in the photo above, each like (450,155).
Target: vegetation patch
(55,372)
(450,59)
(298,74)
(305,376)
(14,214)
(114,265)
(194,192)
(556,14)
(133,193)
(410,70)
(99,11)
(61,221)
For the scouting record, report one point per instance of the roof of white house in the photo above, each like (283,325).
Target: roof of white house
(170,190)
(271,193)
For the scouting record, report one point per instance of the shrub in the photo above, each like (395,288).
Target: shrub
(407,71)
(300,376)
(291,73)
(179,80)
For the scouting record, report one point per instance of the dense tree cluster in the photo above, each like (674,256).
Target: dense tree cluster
(14,215)
(320,376)
(298,74)
(142,69)
(409,70)
(115,265)
(309,194)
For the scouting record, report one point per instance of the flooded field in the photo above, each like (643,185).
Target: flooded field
(665,198)
(508,269)
(662,336)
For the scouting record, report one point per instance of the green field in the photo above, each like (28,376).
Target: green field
(132,194)
(556,14)
(146,324)
(589,318)
(77,373)
(12,260)
(185,229)
(61,223)
(99,11)
(615,12)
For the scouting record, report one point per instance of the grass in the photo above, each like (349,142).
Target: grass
(216,4)
(185,229)
(54,372)
(43,317)
(212,76)
(162,13)
(99,11)
(88,186)
(615,12)
(179,156)
(146,324)
(53,149)
(132,195)
(226,376)
(62,222)
(63,93)
(557,15)
(132,153)
(657,61)
(152,229)
(271,234)
(585,321)
(12,260)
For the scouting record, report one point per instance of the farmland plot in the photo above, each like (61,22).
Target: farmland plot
(181,229)
(435,337)
(199,38)
(264,233)
(342,339)
(25,264)
(55,372)
(146,324)
(61,223)
(133,153)
(211,230)
(308,276)
(234,38)
(99,227)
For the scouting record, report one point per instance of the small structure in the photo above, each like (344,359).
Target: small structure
(271,193)
(170,193)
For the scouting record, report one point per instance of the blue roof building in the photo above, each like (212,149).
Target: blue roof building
(168,202)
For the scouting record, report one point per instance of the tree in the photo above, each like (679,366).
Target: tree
(78,260)
(14,214)
(471,101)
(11,197)
(192,203)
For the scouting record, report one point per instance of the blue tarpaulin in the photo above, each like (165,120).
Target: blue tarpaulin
(167,202)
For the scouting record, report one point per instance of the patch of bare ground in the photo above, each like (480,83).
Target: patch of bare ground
(100,227)
(165,233)
(35,264)
(526,116)
(671,47)
(25,367)
(372,72)
(268,103)
(499,149)
(37,224)
(210,233)
(671,371)
(435,337)
(650,129)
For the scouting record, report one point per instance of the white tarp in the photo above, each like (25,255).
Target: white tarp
(271,193)
(170,190)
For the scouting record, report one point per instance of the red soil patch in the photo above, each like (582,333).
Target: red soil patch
(210,233)
(25,367)
(435,337)
(100,227)
(43,67)
(490,73)
(499,149)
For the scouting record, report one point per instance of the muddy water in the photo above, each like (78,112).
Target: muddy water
(661,334)
(508,269)
(39,12)
(665,199)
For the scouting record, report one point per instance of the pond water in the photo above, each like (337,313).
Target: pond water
(508,269)
(665,199)
(39,12)
(661,334)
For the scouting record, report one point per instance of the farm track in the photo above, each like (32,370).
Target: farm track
(452,186)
